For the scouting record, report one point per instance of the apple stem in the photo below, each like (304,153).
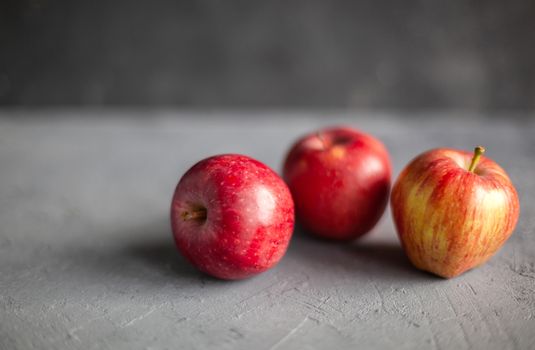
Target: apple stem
(196,214)
(478,152)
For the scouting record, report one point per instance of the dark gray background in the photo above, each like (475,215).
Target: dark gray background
(477,55)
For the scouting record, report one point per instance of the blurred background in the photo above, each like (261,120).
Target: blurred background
(470,55)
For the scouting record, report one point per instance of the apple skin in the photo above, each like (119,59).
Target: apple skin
(249,216)
(449,219)
(340,181)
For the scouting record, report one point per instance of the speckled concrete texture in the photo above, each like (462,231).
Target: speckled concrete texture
(87,260)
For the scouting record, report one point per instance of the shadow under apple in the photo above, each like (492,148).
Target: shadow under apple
(131,256)
(373,255)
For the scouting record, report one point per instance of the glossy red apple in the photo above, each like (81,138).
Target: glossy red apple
(453,210)
(232,216)
(340,181)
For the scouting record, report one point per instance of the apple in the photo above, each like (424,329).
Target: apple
(340,180)
(232,216)
(453,210)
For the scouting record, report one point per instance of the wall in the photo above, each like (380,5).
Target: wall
(366,54)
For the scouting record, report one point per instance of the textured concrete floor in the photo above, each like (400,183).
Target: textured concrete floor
(87,260)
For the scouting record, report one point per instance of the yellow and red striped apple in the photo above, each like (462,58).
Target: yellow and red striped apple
(453,210)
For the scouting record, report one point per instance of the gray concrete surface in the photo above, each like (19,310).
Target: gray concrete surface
(87,260)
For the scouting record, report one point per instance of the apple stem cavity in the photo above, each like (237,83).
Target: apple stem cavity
(198,214)
(478,152)
(322,140)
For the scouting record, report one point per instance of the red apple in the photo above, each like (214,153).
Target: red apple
(340,181)
(232,216)
(453,210)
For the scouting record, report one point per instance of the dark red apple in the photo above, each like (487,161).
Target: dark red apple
(232,216)
(340,181)
(453,210)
